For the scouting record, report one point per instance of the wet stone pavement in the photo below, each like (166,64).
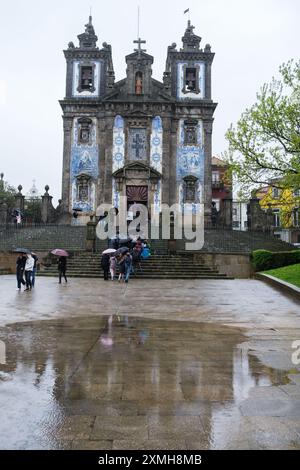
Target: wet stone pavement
(150,365)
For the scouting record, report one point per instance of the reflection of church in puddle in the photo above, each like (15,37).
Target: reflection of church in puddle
(139,137)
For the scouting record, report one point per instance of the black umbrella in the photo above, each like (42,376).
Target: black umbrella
(122,250)
(21,250)
(123,241)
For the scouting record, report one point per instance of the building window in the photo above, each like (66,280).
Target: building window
(215,177)
(191,80)
(275,193)
(297,193)
(84,132)
(190,189)
(217,203)
(83,188)
(86,78)
(190,132)
(276,215)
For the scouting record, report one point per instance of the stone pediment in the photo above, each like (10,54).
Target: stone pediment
(119,93)
(138,169)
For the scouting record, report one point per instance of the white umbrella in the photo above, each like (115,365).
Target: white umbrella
(108,251)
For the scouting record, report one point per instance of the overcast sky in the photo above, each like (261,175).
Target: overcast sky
(250,39)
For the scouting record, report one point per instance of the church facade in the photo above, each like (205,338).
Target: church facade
(138,137)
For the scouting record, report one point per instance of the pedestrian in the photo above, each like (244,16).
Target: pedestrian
(62,268)
(128,266)
(28,271)
(112,267)
(20,268)
(122,268)
(34,268)
(105,266)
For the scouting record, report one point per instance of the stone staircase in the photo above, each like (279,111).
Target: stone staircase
(156,267)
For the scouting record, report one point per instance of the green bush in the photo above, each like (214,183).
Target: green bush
(262,260)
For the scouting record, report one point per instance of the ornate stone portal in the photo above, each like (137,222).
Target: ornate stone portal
(138,182)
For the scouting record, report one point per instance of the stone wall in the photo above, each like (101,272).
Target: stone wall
(236,265)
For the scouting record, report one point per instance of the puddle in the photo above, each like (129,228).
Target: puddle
(84,380)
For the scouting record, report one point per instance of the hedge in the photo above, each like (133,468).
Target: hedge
(262,260)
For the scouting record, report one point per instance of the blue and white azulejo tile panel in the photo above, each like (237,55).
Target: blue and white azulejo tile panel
(118,159)
(156,144)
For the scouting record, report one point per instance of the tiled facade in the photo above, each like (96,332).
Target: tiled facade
(137,131)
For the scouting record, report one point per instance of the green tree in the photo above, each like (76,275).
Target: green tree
(264,146)
(33,210)
(7,193)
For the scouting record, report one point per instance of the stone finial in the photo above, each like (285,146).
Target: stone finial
(20,187)
(46,189)
(207,48)
(172,47)
(190,41)
(88,39)
(71,45)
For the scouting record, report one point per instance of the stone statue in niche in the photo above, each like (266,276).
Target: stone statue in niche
(138,84)
(190,132)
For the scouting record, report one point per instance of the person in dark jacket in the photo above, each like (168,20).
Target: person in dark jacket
(62,268)
(20,267)
(34,268)
(105,266)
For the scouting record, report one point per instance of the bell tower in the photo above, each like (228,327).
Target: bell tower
(90,76)
(187,79)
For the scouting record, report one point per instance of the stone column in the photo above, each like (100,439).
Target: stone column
(166,182)
(227,212)
(66,171)
(91,235)
(208,81)
(3,212)
(19,198)
(69,78)
(255,215)
(106,160)
(207,128)
(173,162)
(47,207)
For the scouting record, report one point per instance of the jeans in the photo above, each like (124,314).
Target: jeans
(28,277)
(20,279)
(127,272)
(33,277)
(62,273)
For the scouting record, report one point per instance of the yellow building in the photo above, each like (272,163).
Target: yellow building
(285,205)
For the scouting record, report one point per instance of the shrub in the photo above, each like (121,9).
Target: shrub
(262,260)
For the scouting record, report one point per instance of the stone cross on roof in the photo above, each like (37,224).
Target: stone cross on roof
(139,41)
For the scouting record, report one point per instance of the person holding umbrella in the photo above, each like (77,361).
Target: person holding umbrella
(62,263)
(105,265)
(62,268)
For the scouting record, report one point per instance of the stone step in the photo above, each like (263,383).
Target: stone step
(149,276)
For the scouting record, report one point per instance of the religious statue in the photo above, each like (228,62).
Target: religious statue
(138,85)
